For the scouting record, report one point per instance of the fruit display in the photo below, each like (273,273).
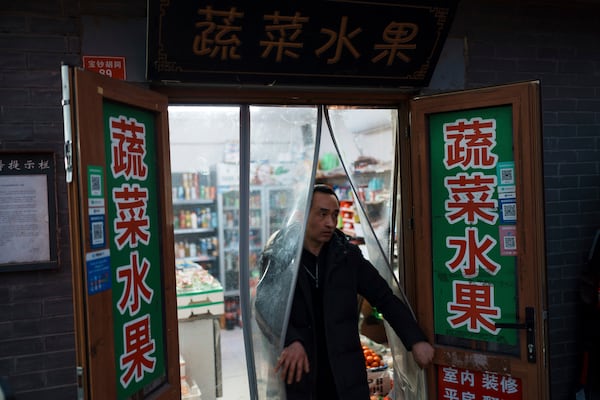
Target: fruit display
(372,359)
(378,364)
(193,277)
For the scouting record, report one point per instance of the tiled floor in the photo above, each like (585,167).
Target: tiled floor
(233,365)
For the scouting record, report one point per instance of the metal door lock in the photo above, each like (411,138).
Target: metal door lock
(529,326)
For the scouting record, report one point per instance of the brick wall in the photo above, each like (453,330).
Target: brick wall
(37,343)
(558,44)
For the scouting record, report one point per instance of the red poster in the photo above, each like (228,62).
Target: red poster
(463,384)
(113,67)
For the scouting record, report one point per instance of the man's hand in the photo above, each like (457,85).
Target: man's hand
(292,363)
(423,353)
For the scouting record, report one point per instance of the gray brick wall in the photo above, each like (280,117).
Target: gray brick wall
(37,343)
(557,43)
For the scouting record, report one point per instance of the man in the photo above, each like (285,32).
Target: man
(323,357)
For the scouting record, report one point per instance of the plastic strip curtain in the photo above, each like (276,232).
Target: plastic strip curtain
(365,142)
(287,139)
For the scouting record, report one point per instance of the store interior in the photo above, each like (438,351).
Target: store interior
(357,160)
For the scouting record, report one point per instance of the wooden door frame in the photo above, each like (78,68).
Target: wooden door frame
(97,341)
(524,98)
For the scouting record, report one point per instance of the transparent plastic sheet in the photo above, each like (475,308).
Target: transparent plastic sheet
(364,139)
(374,207)
(293,147)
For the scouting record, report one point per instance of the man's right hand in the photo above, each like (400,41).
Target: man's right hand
(423,353)
(292,363)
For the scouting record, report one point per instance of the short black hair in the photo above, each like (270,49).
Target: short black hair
(326,189)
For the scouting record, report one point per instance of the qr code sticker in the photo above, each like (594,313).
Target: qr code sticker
(95,185)
(97,233)
(510,242)
(507,176)
(509,211)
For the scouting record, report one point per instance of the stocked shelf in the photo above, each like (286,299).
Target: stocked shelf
(195,221)
(228,202)
(268,207)
(347,218)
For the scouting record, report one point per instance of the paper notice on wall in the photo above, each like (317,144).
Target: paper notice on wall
(24,236)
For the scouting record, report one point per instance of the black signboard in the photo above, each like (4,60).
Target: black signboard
(28,233)
(315,43)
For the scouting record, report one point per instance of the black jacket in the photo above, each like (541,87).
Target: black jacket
(346,275)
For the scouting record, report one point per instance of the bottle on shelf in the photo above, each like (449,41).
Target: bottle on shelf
(193,220)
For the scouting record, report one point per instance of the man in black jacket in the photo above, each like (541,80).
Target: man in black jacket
(323,357)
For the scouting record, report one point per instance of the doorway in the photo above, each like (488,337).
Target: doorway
(353,149)
(111,113)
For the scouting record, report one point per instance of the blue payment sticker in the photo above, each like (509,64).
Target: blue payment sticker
(97,231)
(97,267)
(508,211)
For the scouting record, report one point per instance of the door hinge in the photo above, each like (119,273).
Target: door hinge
(69,161)
(67,127)
(411,223)
(407,131)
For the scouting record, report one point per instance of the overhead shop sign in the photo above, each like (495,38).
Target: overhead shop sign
(320,43)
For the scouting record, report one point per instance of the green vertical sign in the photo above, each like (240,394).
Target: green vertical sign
(473,223)
(133,223)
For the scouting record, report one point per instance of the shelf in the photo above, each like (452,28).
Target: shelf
(335,174)
(180,202)
(197,259)
(195,221)
(235,249)
(193,230)
(266,212)
(237,228)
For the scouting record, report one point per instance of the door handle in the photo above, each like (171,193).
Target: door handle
(529,326)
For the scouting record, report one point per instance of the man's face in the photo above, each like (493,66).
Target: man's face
(322,218)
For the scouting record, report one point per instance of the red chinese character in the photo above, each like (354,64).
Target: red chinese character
(472,254)
(472,306)
(469,143)
(128,142)
(139,346)
(131,223)
(470,198)
(134,276)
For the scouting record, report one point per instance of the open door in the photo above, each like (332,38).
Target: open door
(121,231)
(478,241)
